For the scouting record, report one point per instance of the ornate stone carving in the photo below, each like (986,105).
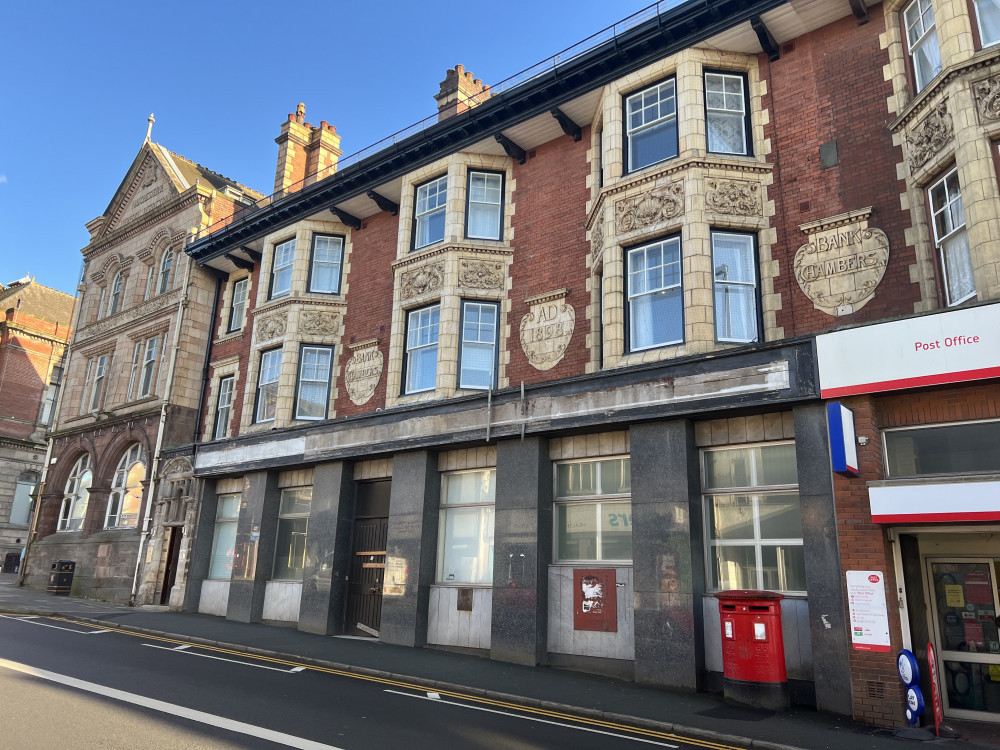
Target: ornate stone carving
(988,98)
(320,323)
(362,373)
(930,136)
(421,280)
(657,205)
(546,331)
(150,306)
(271,327)
(597,236)
(481,274)
(840,268)
(735,197)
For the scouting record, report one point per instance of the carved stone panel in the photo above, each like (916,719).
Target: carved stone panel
(655,206)
(546,331)
(597,236)
(272,327)
(481,274)
(988,98)
(929,136)
(421,280)
(840,268)
(734,197)
(320,323)
(362,373)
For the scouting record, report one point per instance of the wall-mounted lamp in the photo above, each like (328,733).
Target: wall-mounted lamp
(862,440)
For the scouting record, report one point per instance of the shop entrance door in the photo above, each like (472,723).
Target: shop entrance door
(964,604)
(175,534)
(371,526)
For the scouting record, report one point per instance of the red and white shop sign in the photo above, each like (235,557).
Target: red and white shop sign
(949,347)
(932,503)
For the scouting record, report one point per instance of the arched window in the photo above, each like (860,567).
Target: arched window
(126,489)
(74,504)
(115,300)
(165,266)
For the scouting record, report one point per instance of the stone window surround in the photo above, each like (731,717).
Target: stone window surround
(457,167)
(687,177)
(449,291)
(303,234)
(222,331)
(161,330)
(89,357)
(290,340)
(220,369)
(687,68)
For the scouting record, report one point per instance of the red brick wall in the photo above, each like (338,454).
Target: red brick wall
(369,303)
(550,248)
(830,87)
(864,545)
(24,369)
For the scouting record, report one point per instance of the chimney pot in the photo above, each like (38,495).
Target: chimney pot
(460,69)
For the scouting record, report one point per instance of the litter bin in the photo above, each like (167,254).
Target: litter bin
(753,650)
(61,577)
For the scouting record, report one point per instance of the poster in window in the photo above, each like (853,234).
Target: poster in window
(595,605)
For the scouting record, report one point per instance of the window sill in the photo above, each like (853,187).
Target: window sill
(230,336)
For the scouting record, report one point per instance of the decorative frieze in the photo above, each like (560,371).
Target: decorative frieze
(841,266)
(363,371)
(422,280)
(129,316)
(652,207)
(320,323)
(733,197)
(987,94)
(547,329)
(271,327)
(481,274)
(929,136)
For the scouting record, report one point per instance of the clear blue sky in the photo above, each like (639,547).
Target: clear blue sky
(79,80)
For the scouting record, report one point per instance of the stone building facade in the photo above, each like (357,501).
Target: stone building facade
(541,380)
(132,388)
(34,332)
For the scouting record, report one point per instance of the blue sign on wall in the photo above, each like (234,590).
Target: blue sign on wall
(843,446)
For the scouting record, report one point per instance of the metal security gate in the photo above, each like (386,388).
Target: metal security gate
(371,527)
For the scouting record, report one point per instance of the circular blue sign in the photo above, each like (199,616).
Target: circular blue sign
(907,667)
(914,704)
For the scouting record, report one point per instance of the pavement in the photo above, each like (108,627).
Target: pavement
(697,715)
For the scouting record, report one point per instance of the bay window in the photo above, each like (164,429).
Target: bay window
(735,287)
(422,329)
(315,364)
(726,113)
(922,41)
(430,212)
(281,272)
(655,299)
(484,212)
(477,358)
(267,385)
(325,268)
(951,238)
(651,125)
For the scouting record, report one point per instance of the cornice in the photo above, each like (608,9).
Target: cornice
(144,222)
(129,317)
(916,106)
(501,253)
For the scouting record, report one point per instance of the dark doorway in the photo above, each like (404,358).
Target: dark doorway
(176,533)
(371,526)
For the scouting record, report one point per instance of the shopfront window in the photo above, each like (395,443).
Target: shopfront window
(752,518)
(593,511)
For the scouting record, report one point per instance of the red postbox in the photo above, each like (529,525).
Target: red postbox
(753,650)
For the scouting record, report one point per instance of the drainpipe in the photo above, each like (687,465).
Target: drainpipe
(164,409)
(33,526)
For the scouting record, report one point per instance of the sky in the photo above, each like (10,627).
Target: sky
(79,81)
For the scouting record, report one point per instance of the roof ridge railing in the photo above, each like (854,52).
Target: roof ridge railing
(551,63)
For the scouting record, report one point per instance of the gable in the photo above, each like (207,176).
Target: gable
(146,186)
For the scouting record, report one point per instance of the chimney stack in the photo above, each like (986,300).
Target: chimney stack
(304,152)
(460,91)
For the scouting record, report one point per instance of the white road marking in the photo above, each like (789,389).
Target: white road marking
(221,658)
(30,621)
(434,696)
(180,648)
(170,708)
(535,718)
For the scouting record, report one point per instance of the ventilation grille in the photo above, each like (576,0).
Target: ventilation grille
(876,690)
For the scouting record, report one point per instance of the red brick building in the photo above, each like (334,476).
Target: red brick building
(554,355)
(35,326)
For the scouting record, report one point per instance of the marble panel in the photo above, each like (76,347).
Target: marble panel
(281,601)
(213,598)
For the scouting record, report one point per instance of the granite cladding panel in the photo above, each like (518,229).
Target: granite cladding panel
(831,657)
(413,509)
(258,518)
(667,555)
(522,541)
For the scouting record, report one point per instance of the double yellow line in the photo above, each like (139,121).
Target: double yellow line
(601,723)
